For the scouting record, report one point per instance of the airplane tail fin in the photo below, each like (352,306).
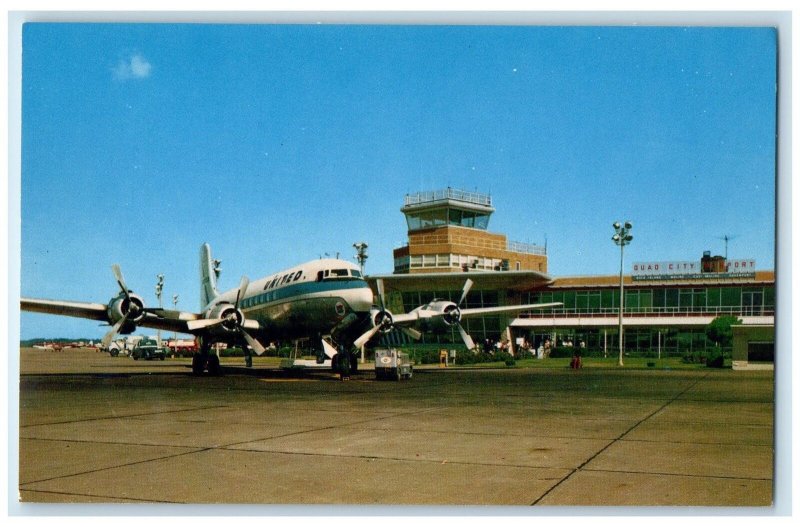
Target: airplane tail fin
(208,276)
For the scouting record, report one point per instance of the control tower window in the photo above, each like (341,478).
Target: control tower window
(450,216)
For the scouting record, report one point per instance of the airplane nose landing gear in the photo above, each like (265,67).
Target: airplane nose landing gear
(343,365)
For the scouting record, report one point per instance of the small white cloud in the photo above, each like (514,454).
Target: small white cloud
(133,67)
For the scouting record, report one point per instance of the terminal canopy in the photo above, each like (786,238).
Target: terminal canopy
(508,280)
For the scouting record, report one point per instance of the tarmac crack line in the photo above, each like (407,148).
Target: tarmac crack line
(331,427)
(112,467)
(130,416)
(142,500)
(616,440)
(734,478)
(403,459)
(205,449)
(195,450)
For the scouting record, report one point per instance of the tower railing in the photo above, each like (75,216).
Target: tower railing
(476,198)
(527,248)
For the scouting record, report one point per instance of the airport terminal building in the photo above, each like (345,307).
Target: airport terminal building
(667,305)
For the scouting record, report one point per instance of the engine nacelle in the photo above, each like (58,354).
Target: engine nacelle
(131,306)
(232,318)
(382,319)
(448,314)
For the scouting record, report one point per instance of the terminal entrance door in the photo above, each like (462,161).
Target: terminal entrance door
(760,352)
(752,302)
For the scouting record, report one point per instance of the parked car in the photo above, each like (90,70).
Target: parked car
(148,349)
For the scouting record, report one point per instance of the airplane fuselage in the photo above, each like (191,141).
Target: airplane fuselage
(308,299)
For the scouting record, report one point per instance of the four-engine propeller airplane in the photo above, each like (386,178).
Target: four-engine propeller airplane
(326,299)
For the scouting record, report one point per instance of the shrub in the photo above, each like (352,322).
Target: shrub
(715,360)
(561,352)
(467,357)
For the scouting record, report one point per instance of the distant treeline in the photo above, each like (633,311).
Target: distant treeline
(28,343)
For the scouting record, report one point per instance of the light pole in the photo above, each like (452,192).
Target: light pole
(175,306)
(361,254)
(622,237)
(159,288)
(361,257)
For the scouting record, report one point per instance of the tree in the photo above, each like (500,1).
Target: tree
(719,330)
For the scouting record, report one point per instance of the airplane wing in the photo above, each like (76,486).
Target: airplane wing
(156,318)
(477,311)
(126,312)
(452,315)
(91,311)
(407,319)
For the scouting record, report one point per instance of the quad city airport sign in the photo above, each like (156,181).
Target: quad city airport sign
(682,270)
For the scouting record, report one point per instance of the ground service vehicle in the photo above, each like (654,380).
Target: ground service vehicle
(391,364)
(123,346)
(147,349)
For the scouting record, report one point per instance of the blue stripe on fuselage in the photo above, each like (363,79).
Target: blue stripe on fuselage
(302,289)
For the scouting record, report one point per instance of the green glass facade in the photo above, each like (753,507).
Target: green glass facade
(759,300)
(739,300)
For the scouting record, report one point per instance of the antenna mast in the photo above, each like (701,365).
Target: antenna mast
(727,238)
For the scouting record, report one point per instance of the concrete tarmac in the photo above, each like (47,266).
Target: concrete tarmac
(97,429)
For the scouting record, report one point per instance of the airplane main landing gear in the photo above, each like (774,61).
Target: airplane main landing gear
(198,364)
(202,362)
(205,360)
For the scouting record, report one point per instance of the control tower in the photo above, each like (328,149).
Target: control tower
(447,232)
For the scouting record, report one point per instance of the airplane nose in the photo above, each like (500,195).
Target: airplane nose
(363,300)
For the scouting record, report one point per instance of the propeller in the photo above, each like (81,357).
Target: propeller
(108,337)
(384,319)
(465,337)
(467,287)
(233,320)
(455,316)
(134,309)
(411,332)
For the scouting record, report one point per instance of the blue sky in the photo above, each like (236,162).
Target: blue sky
(278,144)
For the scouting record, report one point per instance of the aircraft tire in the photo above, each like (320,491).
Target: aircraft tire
(353,364)
(344,364)
(198,364)
(213,366)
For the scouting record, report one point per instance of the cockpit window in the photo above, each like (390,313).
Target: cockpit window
(338,274)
